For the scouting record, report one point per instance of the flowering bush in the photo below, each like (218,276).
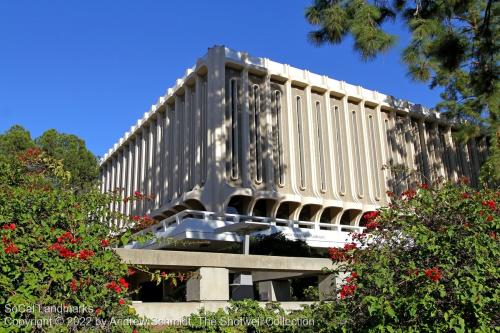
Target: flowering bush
(429,263)
(55,250)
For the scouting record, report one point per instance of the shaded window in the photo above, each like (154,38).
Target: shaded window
(340,156)
(357,153)
(300,133)
(203,143)
(373,155)
(256,135)
(320,147)
(233,124)
(280,176)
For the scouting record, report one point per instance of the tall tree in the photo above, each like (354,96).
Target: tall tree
(454,44)
(15,140)
(75,156)
(77,159)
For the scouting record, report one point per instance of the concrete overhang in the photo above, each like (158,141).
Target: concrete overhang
(190,260)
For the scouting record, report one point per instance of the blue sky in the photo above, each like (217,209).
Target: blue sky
(93,67)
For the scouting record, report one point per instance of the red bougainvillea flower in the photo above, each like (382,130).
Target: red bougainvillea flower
(350,246)
(10,226)
(466,195)
(11,248)
(73,285)
(371,225)
(347,290)
(98,311)
(424,186)
(85,254)
(66,253)
(370,215)
(336,254)
(136,218)
(409,194)
(123,283)
(352,277)
(104,242)
(434,274)
(490,204)
(114,286)
(489,218)
(131,271)
(121,301)
(138,194)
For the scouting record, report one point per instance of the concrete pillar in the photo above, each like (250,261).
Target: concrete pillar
(277,290)
(158,161)
(242,287)
(209,284)
(328,284)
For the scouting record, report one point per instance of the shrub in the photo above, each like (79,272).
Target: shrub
(429,264)
(55,251)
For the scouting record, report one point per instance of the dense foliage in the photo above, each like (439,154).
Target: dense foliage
(454,45)
(55,251)
(430,264)
(70,149)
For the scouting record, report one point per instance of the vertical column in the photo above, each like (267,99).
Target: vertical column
(347,140)
(268,162)
(384,174)
(292,168)
(193,137)
(130,175)
(143,173)
(167,156)
(452,155)
(186,140)
(198,131)
(246,177)
(216,147)
(424,149)
(331,155)
(123,178)
(411,154)
(474,160)
(366,156)
(311,139)
(151,162)
(158,161)
(177,153)
(137,170)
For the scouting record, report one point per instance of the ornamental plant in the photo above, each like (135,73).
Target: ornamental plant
(55,250)
(427,263)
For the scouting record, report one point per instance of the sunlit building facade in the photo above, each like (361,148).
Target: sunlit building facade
(241,139)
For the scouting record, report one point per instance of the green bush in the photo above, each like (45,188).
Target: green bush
(55,251)
(429,264)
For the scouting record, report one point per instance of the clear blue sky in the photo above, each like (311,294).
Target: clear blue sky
(93,67)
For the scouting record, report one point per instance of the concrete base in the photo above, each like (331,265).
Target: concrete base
(176,313)
(278,290)
(211,284)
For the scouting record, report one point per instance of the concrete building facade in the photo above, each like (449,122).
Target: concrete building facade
(248,136)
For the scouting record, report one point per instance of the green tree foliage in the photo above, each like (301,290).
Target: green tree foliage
(15,140)
(68,148)
(430,264)
(454,44)
(77,159)
(55,248)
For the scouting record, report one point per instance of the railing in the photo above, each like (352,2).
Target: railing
(178,218)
